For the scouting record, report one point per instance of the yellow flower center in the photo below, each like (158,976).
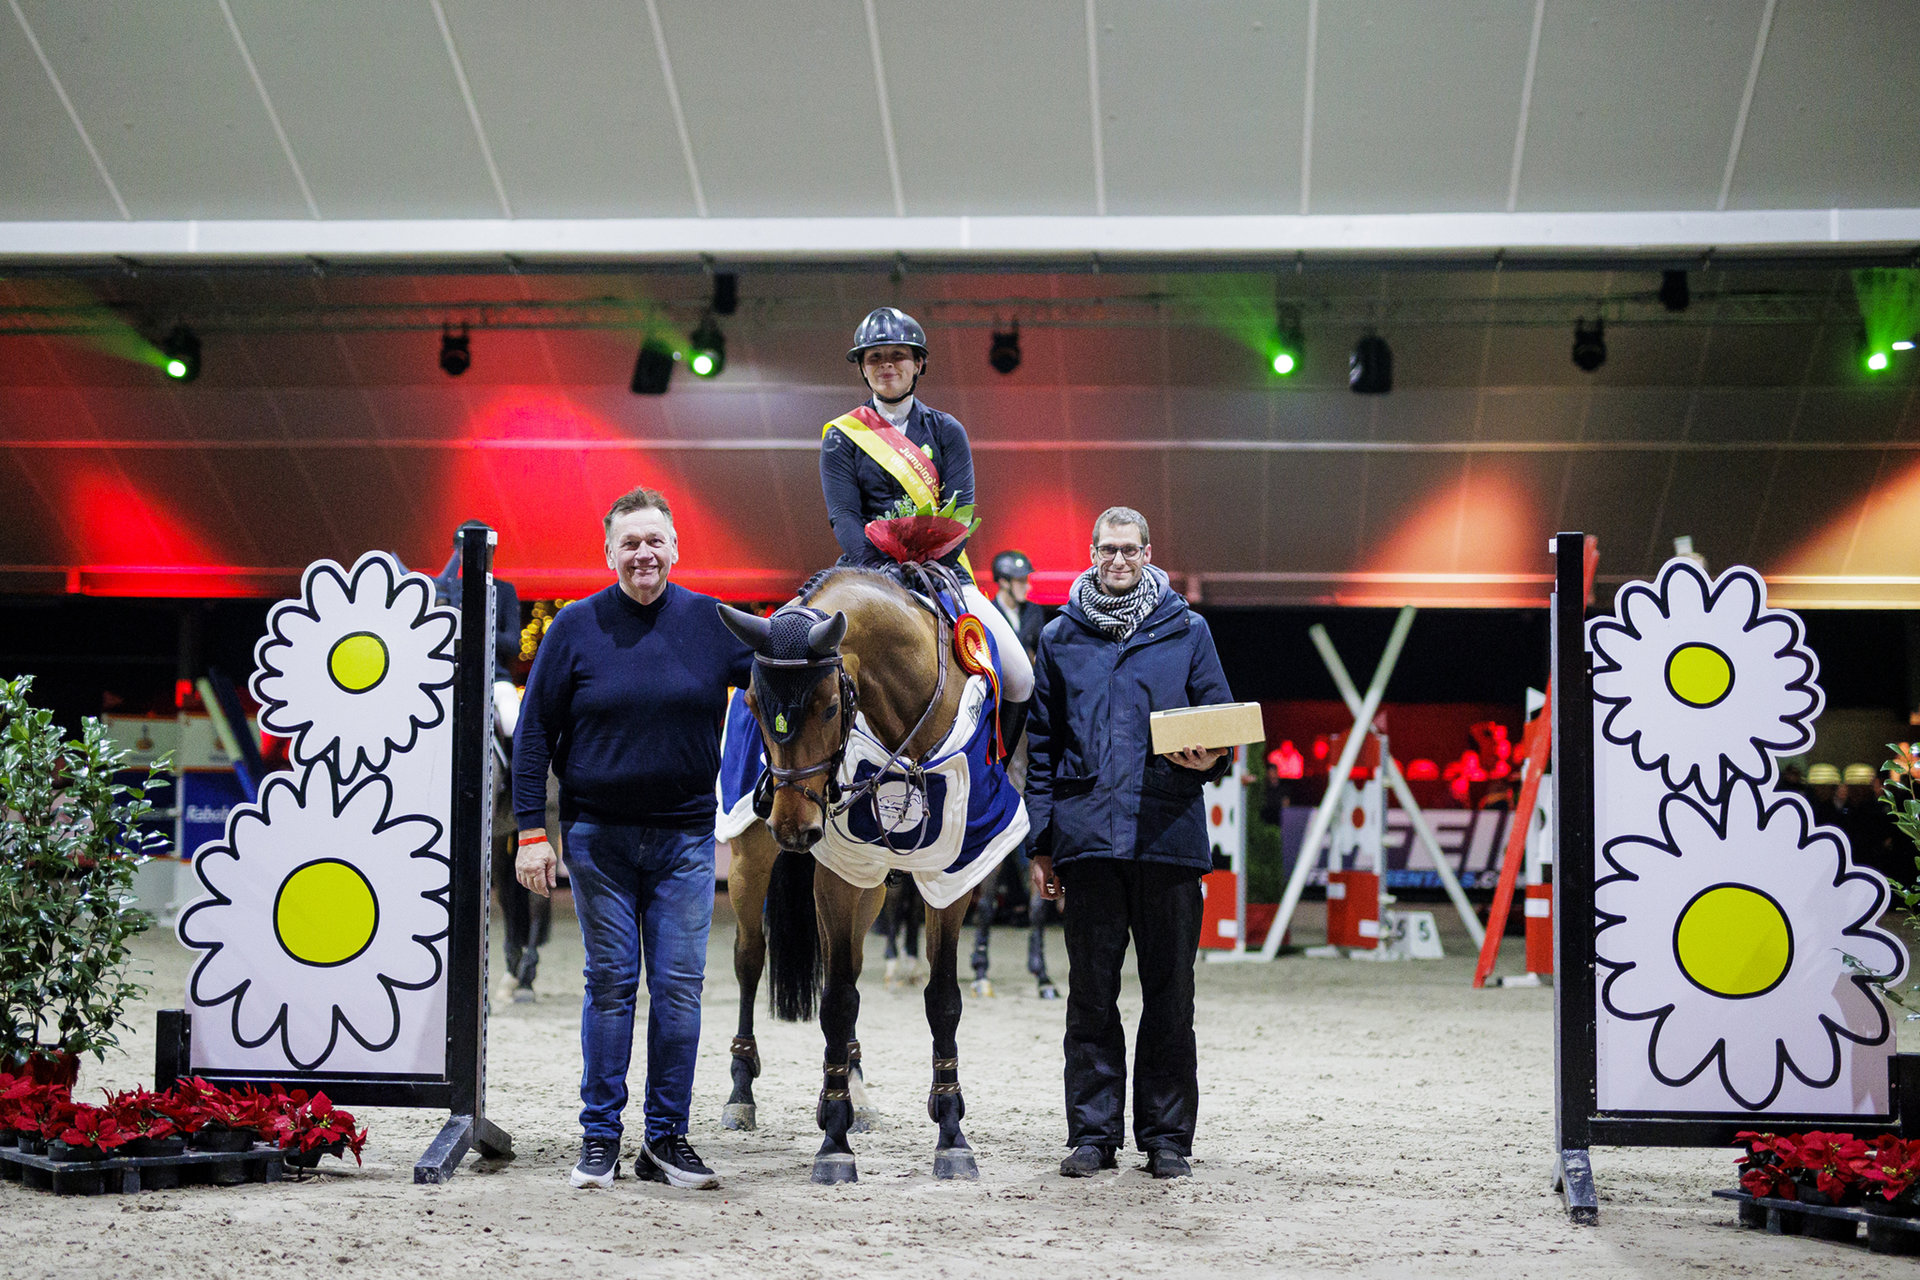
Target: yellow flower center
(1733,941)
(358,662)
(1699,674)
(325,913)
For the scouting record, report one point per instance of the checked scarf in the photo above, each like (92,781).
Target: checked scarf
(1118,616)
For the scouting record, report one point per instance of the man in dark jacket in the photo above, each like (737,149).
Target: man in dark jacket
(1123,829)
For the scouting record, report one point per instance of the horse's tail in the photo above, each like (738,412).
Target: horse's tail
(793,938)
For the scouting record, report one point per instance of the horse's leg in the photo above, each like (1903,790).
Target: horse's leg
(912,908)
(892,914)
(984,898)
(952,1158)
(753,855)
(845,914)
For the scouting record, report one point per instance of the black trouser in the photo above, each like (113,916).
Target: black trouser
(1107,900)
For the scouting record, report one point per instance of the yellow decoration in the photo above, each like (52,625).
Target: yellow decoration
(358,662)
(1699,674)
(1733,941)
(325,913)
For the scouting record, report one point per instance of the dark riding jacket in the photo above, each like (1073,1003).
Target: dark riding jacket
(1094,787)
(858,489)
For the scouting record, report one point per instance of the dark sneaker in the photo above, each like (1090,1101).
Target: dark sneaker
(1164,1162)
(599,1163)
(674,1159)
(1086,1161)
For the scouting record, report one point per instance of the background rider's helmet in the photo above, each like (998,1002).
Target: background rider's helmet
(888,327)
(1011,564)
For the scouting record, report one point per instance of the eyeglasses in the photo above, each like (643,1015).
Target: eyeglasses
(1108,551)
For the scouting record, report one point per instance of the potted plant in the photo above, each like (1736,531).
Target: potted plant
(36,1112)
(309,1128)
(226,1121)
(68,852)
(1891,1171)
(151,1132)
(90,1133)
(1827,1168)
(1766,1169)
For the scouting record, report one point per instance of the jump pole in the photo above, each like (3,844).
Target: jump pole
(1323,816)
(1397,784)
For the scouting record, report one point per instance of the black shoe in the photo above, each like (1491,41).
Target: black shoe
(599,1163)
(1165,1162)
(674,1159)
(1086,1161)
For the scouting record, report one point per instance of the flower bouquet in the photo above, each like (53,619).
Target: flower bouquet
(310,1127)
(925,534)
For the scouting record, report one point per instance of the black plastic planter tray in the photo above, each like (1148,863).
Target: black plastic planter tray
(138,1173)
(1885,1232)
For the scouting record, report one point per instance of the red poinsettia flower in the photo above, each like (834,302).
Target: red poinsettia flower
(1892,1166)
(94,1127)
(1835,1160)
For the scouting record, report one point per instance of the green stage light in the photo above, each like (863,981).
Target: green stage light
(176,368)
(707,355)
(1284,363)
(181,348)
(1288,342)
(1877,362)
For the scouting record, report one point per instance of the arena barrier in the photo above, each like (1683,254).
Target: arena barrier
(1710,935)
(343,925)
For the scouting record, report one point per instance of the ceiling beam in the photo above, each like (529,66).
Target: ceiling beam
(1283,237)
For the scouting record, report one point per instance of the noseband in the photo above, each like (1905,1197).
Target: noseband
(775,779)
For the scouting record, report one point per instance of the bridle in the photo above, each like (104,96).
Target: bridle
(834,800)
(774,779)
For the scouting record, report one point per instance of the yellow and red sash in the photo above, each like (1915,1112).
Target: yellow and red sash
(898,456)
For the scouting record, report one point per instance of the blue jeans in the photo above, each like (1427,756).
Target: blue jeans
(640,891)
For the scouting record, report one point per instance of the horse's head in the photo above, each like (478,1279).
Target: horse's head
(805,717)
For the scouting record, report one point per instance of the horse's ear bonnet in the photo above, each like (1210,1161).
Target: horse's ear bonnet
(788,666)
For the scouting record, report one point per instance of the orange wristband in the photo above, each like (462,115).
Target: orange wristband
(528,838)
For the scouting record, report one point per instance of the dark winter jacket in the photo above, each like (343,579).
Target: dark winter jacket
(1094,787)
(858,489)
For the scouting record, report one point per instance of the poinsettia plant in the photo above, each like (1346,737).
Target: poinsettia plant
(927,533)
(93,1129)
(142,1114)
(306,1125)
(1830,1165)
(1891,1168)
(33,1108)
(1767,1168)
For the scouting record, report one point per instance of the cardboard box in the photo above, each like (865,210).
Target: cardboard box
(1225,724)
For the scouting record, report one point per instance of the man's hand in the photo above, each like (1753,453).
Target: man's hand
(536,865)
(1044,881)
(1199,758)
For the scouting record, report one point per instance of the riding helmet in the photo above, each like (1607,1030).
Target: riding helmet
(887,327)
(1012,564)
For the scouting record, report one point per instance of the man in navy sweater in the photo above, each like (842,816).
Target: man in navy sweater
(625,702)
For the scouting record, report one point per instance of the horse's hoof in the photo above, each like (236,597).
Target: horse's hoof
(983,986)
(737,1115)
(834,1167)
(1048,991)
(955,1162)
(862,1122)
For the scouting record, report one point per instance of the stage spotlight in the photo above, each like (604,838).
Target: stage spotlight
(1288,345)
(455,356)
(707,354)
(1370,367)
(1904,344)
(182,351)
(1674,294)
(652,368)
(1004,354)
(1589,345)
(726,293)
(1877,362)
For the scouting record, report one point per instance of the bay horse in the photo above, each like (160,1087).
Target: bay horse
(855,641)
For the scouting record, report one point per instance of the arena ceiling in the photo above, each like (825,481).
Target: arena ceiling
(968,129)
(321,425)
(316,189)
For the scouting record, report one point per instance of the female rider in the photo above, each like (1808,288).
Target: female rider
(890,349)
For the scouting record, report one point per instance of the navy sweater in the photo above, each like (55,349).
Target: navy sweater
(625,701)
